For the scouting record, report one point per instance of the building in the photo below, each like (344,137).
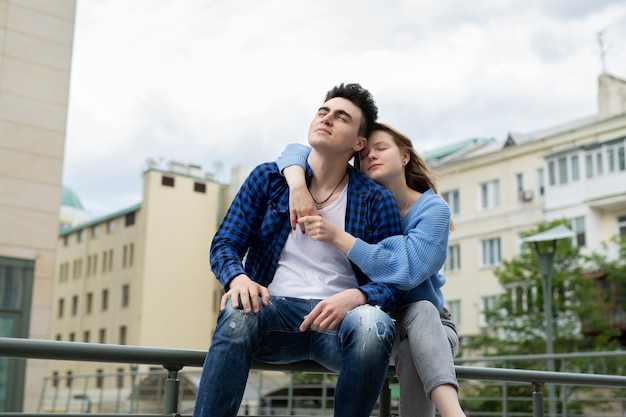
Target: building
(497,190)
(72,211)
(141,276)
(36,39)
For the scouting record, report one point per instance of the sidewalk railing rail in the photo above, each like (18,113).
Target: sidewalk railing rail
(174,360)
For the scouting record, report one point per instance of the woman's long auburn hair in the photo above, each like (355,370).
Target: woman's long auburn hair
(419,176)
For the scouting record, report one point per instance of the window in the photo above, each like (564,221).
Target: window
(72,337)
(94,264)
(127,255)
(452,198)
(102,335)
(551,173)
(589,165)
(562,170)
(453,261)
(89,306)
(105,300)
(78,266)
(99,378)
(621,225)
(80,235)
(199,187)
(55,378)
(74,305)
(575,168)
(88,265)
(167,181)
(110,268)
(66,240)
(129,219)
(110,226)
(104,261)
(599,164)
(94,231)
(616,158)
(455,311)
(488,304)
(86,336)
(120,378)
(60,307)
(123,335)
(540,181)
(520,299)
(491,252)
(125,295)
(490,194)
(578,225)
(69,378)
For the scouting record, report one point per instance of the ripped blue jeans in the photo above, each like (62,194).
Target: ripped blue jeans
(359,349)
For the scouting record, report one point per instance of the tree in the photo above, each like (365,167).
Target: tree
(516,323)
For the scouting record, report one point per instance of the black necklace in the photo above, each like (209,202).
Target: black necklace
(319,204)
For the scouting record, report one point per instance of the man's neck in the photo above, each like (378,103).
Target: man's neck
(327,169)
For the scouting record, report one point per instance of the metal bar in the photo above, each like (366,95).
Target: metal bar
(176,359)
(537,400)
(172,384)
(384,401)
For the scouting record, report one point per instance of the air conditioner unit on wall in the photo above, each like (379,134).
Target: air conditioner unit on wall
(526,195)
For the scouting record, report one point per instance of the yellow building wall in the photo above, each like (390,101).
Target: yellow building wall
(178,293)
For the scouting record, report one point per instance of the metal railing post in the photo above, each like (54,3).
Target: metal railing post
(537,399)
(384,401)
(172,383)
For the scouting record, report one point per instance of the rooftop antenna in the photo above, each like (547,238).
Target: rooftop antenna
(602,49)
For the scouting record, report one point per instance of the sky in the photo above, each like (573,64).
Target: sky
(219,83)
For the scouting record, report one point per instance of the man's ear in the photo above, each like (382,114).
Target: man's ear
(360,144)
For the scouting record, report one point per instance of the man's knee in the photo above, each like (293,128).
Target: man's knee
(234,322)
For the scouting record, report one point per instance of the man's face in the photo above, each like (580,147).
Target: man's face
(336,126)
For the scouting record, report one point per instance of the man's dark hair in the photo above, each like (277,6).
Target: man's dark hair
(362,99)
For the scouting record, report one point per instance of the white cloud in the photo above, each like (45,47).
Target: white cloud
(235,81)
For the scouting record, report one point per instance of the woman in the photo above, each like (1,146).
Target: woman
(411,262)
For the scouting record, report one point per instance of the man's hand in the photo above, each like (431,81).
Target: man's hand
(329,313)
(244,289)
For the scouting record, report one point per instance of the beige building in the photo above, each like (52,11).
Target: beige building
(35,56)
(141,276)
(497,190)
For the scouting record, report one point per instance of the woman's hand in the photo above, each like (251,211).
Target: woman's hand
(322,230)
(300,201)
(319,228)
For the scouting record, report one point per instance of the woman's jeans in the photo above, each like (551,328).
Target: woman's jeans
(424,356)
(359,349)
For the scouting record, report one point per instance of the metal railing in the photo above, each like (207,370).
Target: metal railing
(174,360)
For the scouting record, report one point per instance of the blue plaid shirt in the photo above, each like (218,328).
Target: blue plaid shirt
(257,226)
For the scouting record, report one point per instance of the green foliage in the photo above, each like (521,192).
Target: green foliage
(517,323)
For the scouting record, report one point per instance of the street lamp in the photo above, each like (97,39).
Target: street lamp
(546,261)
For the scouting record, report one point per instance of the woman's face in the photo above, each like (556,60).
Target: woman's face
(382,160)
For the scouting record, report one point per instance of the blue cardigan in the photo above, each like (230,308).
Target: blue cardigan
(410,261)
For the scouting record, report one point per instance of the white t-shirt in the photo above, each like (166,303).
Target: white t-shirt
(314,270)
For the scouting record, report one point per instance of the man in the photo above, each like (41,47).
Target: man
(297,299)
